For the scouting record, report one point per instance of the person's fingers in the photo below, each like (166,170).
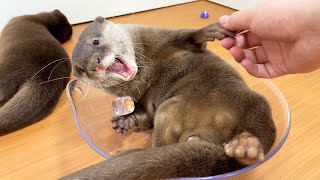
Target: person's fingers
(238,21)
(253,40)
(261,55)
(237,53)
(241,41)
(256,55)
(250,55)
(259,70)
(247,40)
(228,42)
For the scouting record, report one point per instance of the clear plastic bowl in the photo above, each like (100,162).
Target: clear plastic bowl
(92,112)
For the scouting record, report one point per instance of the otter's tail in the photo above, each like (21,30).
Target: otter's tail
(32,102)
(190,159)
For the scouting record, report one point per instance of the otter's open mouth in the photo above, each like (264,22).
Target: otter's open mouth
(121,68)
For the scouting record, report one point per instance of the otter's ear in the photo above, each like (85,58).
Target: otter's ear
(99,19)
(56,12)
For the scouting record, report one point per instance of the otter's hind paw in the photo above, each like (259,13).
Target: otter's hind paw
(245,148)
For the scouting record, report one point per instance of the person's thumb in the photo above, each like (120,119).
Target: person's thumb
(238,21)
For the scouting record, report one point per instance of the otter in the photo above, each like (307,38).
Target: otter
(205,119)
(34,68)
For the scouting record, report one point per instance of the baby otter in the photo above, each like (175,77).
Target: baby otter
(33,65)
(205,119)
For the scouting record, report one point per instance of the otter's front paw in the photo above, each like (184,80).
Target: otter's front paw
(245,148)
(216,31)
(123,123)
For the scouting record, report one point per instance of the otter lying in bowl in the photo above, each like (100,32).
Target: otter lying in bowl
(206,120)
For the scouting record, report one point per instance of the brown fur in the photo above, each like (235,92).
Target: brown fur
(182,91)
(27,44)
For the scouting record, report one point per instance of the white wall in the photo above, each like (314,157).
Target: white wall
(237,4)
(78,11)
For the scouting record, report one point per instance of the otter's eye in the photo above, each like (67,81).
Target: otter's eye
(95,42)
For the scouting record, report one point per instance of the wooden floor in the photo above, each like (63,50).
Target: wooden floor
(53,147)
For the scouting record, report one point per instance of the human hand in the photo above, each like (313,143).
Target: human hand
(287,35)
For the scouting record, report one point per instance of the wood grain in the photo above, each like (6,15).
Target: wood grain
(53,147)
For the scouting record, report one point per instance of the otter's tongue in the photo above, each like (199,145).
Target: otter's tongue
(122,69)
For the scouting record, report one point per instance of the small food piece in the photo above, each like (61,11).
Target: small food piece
(123,105)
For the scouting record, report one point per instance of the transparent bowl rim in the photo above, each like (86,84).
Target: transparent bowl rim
(275,89)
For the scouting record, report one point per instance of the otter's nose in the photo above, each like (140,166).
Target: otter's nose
(100,68)
(95,63)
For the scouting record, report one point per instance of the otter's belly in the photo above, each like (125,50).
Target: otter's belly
(178,120)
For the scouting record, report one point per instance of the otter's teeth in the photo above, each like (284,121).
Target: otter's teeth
(121,68)
(124,74)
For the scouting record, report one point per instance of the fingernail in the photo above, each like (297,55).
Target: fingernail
(224,19)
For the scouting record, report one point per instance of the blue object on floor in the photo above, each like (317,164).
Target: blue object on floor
(204,14)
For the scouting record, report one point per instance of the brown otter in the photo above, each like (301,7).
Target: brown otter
(205,119)
(31,59)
